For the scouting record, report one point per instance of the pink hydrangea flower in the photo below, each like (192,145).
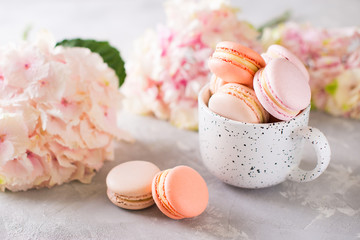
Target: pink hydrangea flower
(332,57)
(169,65)
(57,114)
(13,137)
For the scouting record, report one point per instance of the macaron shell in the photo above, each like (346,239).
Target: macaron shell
(231,107)
(186,191)
(230,72)
(131,205)
(250,54)
(132,178)
(288,84)
(280,51)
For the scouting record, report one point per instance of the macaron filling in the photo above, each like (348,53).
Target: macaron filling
(267,91)
(249,100)
(130,202)
(237,58)
(139,199)
(161,196)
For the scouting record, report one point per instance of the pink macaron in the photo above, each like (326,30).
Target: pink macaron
(239,103)
(180,192)
(277,51)
(282,89)
(235,63)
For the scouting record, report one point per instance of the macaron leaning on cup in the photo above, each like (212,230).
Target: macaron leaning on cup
(282,89)
(239,103)
(278,51)
(180,192)
(235,63)
(129,184)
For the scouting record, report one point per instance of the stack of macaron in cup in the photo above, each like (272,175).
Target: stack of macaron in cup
(249,87)
(179,192)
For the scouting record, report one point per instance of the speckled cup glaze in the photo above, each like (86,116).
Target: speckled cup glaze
(258,155)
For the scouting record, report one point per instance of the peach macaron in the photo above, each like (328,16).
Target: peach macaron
(235,63)
(180,192)
(129,184)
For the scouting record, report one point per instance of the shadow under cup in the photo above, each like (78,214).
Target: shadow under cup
(258,155)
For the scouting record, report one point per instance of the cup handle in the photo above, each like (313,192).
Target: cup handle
(323,153)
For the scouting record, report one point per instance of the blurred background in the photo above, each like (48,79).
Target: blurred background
(122,21)
(327,208)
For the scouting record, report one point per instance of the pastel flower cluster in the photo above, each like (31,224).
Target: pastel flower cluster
(57,114)
(169,64)
(332,57)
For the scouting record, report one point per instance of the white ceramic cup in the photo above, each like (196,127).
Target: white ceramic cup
(258,155)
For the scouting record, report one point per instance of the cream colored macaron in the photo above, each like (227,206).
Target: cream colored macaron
(239,103)
(129,184)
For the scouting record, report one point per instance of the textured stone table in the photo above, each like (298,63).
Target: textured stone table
(327,208)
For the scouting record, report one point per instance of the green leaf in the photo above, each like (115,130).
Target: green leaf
(332,87)
(109,54)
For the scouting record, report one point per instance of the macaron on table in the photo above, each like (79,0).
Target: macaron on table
(327,208)
(129,184)
(180,192)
